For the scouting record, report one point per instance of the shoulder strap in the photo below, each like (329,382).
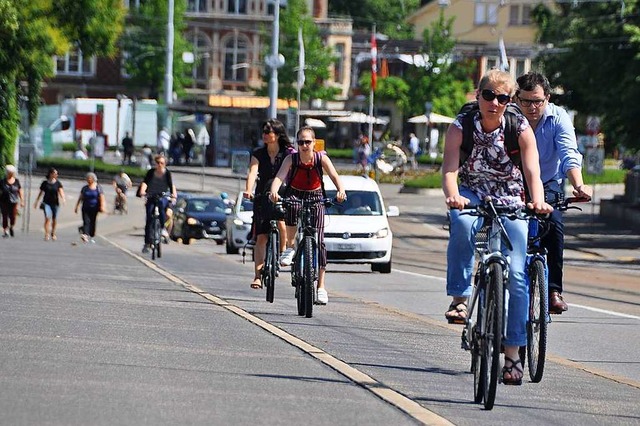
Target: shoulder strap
(318,159)
(511,134)
(469,109)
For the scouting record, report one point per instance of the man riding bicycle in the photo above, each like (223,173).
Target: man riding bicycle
(559,158)
(305,183)
(157,181)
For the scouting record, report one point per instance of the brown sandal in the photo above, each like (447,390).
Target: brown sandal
(256,284)
(456,313)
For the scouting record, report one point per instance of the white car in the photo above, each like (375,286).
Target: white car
(357,231)
(239,224)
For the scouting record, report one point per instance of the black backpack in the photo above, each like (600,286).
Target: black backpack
(510,133)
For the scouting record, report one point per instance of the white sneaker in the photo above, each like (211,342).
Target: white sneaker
(165,233)
(286,258)
(323,297)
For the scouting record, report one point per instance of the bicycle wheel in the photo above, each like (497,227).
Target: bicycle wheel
(537,323)
(158,238)
(269,269)
(476,347)
(492,334)
(308,277)
(296,278)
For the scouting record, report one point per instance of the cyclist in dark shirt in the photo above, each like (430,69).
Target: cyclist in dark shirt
(265,163)
(157,181)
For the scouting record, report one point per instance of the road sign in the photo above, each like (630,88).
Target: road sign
(594,160)
(240,162)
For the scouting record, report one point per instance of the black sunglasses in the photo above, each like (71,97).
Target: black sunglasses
(305,141)
(489,95)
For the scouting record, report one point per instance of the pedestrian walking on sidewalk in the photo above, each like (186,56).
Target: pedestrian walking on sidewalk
(93,202)
(11,197)
(52,195)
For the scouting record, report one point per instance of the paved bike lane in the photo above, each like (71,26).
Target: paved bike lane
(90,335)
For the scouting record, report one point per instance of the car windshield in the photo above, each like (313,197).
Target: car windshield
(205,205)
(358,203)
(246,205)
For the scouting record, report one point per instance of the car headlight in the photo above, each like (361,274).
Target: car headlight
(238,222)
(193,221)
(383,233)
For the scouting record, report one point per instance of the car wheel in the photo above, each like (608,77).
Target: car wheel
(383,268)
(231,249)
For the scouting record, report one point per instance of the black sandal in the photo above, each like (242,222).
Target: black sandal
(456,313)
(514,365)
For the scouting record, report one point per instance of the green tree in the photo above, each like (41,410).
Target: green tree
(31,31)
(389,16)
(443,81)
(593,57)
(145,45)
(318,58)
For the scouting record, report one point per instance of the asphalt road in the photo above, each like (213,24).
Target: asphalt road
(98,334)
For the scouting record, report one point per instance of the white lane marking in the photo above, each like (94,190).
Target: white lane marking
(390,396)
(417,274)
(588,308)
(605,311)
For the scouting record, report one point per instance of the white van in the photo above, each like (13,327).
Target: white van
(357,231)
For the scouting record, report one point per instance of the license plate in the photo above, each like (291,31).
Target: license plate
(346,247)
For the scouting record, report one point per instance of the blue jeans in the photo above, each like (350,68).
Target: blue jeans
(164,203)
(460,263)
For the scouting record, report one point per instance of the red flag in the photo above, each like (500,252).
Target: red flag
(374,61)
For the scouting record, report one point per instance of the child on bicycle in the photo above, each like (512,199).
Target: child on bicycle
(305,183)
(157,181)
(489,171)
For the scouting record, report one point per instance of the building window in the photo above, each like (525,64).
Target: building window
(338,66)
(201,66)
(235,59)
(521,67)
(237,7)
(491,62)
(486,13)
(73,63)
(197,6)
(520,14)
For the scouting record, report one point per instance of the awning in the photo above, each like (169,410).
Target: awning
(314,122)
(360,117)
(433,118)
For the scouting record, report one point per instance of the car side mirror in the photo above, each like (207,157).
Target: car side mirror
(393,211)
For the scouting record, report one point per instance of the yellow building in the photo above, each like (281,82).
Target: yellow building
(479,27)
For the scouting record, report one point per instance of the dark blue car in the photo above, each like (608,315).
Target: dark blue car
(200,217)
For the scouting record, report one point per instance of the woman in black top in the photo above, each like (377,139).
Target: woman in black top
(264,165)
(52,194)
(11,197)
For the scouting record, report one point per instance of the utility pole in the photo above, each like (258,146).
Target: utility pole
(168,77)
(273,62)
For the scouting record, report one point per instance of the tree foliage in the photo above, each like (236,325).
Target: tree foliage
(31,32)
(593,56)
(443,81)
(145,46)
(318,58)
(389,16)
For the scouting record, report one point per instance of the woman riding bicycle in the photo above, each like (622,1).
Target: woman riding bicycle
(489,171)
(264,165)
(157,181)
(306,184)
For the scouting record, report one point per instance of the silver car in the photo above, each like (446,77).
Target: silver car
(239,225)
